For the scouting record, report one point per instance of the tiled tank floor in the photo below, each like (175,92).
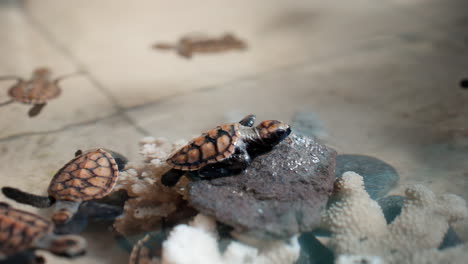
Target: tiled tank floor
(381,75)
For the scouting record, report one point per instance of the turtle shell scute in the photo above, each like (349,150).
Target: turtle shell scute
(212,146)
(19,230)
(91,175)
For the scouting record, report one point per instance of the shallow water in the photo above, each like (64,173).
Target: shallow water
(382,78)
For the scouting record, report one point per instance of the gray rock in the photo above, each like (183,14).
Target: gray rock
(379,177)
(281,193)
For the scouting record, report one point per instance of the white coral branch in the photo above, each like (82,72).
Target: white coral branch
(197,243)
(358,225)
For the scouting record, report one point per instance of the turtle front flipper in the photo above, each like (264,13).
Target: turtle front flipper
(7,102)
(28,198)
(171,177)
(36,109)
(248,121)
(234,165)
(65,76)
(184,51)
(7,78)
(69,246)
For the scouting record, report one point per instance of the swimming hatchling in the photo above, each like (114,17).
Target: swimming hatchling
(37,91)
(22,232)
(203,44)
(90,176)
(225,150)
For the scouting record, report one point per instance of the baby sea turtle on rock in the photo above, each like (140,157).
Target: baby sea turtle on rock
(225,150)
(22,232)
(90,176)
(36,91)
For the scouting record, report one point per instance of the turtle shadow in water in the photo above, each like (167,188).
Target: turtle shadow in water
(103,211)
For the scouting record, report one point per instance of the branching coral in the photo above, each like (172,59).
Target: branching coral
(359,227)
(149,201)
(197,243)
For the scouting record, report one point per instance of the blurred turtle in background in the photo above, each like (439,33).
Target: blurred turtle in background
(21,233)
(36,91)
(203,44)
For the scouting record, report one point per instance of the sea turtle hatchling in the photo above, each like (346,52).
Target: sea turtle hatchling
(36,91)
(90,176)
(203,44)
(21,233)
(225,150)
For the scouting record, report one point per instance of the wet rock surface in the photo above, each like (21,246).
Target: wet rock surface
(282,193)
(379,176)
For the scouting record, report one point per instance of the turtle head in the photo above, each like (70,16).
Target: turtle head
(64,211)
(273,132)
(67,246)
(61,216)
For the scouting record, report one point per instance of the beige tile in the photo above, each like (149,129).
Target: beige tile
(112,38)
(24,49)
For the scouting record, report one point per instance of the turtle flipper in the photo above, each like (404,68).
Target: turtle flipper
(6,78)
(63,245)
(63,77)
(236,164)
(7,102)
(27,198)
(36,109)
(248,120)
(171,177)
(185,52)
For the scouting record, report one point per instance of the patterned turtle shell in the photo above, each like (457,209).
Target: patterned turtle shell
(212,146)
(91,175)
(19,230)
(38,90)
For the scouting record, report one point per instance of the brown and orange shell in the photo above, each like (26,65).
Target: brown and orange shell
(91,175)
(36,91)
(19,230)
(212,146)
